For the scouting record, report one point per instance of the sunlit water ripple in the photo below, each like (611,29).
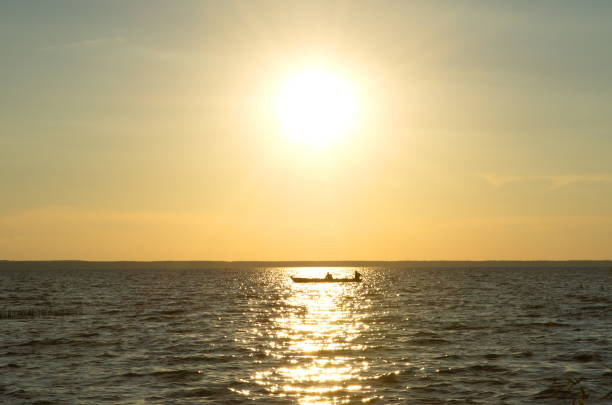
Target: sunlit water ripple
(216,336)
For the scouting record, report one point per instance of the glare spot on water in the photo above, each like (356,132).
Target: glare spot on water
(315,338)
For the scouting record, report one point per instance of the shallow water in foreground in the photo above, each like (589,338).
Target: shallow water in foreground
(227,336)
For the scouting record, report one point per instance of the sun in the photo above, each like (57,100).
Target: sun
(316,106)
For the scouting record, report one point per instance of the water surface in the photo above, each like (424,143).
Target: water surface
(216,336)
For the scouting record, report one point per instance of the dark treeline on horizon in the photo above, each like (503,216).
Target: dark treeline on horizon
(83,264)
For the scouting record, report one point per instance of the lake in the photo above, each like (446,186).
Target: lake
(437,335)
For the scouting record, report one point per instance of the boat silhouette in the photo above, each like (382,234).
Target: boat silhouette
(328,279)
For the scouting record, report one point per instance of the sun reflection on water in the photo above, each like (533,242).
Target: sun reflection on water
(317,341)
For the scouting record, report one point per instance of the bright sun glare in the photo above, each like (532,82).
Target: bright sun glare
(316,106)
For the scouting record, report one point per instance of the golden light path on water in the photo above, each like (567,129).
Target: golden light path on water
(317,337)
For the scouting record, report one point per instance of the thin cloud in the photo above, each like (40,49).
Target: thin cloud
(569,179)
(555,182)
(497,180)
(117,43)
(88,43)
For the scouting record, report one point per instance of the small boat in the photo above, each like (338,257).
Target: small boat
(325,280)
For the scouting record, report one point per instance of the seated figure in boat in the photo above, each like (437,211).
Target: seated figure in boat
(357,275)
(328,276)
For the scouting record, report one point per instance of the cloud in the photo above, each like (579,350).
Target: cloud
(569,179)
(497,181)
(555,181)
(85,44)
(114,43)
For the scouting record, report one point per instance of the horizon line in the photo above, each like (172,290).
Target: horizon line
(301,261)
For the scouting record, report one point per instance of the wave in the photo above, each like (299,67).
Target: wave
(446,357)
(46,342)
(193,393)
(492,356)
(37,313)
(558,392)
(63,341)
(473,369)
(526,353)
(388,378)
(549,324)
(429,342)
(486,368)
(583,357)
(173,375)
(201,358)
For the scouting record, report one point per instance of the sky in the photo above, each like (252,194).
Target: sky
(146,130)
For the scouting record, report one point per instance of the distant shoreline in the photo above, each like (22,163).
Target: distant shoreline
(205,264)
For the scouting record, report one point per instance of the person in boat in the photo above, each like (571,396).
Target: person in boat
(357,275)
(328,276)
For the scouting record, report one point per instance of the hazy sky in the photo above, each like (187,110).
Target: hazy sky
(144,130)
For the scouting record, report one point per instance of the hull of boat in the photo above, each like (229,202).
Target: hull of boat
(325,280)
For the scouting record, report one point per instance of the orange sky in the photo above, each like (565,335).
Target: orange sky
(145,131)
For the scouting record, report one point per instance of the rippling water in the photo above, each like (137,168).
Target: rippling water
(216,336)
